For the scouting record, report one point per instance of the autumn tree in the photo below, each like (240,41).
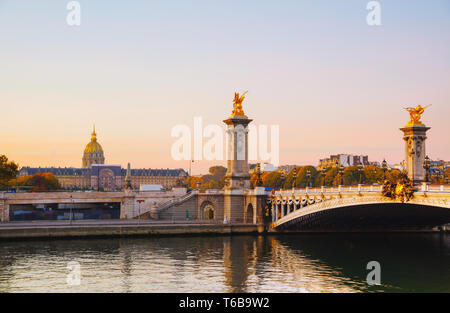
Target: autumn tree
(217,171)
(351,175)
(373,174)
(39,182)
(8,170)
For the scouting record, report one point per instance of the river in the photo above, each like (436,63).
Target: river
(281,263)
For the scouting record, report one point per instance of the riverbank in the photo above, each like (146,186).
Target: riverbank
(118,228)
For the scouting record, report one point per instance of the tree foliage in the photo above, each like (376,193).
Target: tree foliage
(8,170)
(39,182)
(214,180)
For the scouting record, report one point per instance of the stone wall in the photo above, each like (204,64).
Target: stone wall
(178,211)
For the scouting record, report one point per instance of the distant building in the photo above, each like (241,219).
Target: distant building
(344,160)
(288,168)
(151,188)
(96,175)
(265,167)
(268,167)
(401,167)
(438,167)
(93,153)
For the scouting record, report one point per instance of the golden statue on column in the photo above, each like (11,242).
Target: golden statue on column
(415,114)
(237,105)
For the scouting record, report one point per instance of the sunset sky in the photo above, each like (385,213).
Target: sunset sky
(136,69)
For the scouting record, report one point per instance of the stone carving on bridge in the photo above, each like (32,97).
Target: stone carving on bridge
(402,190)
(415,114)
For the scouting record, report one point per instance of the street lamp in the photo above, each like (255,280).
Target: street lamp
(324,173)
(426,166)
(259,182)
(384,167)
(283,179)
(360,170)
(294,178)
(308,175)
(341,174)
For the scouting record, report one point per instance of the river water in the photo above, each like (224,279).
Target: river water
(282,263)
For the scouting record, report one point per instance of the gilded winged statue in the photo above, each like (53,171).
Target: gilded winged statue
(237,105)
(415,114)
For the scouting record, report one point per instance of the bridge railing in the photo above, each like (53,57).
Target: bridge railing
(350,189)
(321,190)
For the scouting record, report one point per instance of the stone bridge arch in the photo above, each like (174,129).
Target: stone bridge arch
(364,212)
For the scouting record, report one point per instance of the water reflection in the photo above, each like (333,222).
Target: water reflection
(287,263)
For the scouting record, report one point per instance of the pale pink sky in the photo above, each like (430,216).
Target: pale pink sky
(331,82)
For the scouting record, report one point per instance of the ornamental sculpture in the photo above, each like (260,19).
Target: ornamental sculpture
(237,105)
(415,114)
(402,190)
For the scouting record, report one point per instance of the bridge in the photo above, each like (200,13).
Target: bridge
(356,208)
(121,204)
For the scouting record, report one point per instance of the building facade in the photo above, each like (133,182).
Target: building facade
(93,153)
(343,160)
(96,175)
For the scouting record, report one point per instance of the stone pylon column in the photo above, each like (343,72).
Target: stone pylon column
(414,136)
(237,177)
(4,208)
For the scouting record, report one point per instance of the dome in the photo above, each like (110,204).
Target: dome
(93,153)
(93,146)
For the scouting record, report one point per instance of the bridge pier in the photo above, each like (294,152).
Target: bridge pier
(276,213)
(272,211)
(4,208)
(127,206)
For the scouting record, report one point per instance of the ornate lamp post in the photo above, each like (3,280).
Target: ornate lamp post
(324,173)
(308,175)
(360,170)
(341,174)
(259,182)
(442,172)
(426,166)
(294,178)
(283,179)
(384,167)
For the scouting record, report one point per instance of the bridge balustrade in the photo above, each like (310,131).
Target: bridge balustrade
(285,202)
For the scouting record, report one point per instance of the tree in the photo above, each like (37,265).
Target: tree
(373,174)
(393,175)
(40,182)
(272,179)
(351,175)
(217,171)
(191,182)
(214,180)
(8,170)
(302,176)
(331,178)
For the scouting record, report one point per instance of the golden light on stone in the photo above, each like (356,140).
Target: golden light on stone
(237,105)
(93,153)
(415,114)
